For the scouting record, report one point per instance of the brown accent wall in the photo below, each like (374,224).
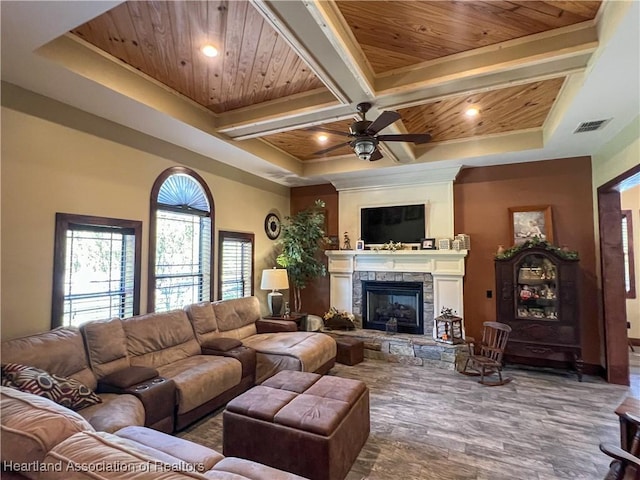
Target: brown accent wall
(315,298)
(482,197)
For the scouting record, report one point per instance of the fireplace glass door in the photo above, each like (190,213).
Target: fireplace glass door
(387,300)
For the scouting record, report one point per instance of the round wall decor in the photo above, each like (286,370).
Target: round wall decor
(272,226)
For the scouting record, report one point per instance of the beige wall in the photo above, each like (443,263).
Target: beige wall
(617,156)
(49,168)
(630,200)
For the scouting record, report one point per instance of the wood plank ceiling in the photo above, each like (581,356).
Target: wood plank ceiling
(164,39)
(257,65)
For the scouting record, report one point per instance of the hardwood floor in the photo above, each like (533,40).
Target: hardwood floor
(438,424)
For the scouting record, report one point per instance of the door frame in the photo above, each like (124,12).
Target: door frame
(614,310)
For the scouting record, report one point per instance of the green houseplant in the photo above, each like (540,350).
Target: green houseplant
(302,240)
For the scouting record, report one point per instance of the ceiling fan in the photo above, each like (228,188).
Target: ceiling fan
(364,134)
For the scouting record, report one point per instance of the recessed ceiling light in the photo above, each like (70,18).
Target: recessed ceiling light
(322,138)
(472,112)
(210,51)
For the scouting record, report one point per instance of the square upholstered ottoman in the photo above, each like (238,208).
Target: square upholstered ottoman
(303,423)
(350,351)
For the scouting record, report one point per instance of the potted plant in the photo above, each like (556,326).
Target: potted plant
(302,241)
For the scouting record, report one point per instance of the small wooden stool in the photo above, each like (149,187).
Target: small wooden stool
(350,350)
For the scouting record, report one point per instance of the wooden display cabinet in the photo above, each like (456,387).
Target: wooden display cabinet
(537,296)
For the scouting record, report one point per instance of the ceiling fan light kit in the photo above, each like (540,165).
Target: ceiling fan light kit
(365,134)
(364,147)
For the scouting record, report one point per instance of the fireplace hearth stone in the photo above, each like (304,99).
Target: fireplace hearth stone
(407,349)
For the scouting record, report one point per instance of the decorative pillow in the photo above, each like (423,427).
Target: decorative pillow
(67,392)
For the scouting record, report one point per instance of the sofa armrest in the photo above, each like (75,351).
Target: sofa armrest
(121,380)
(273,326)
(245,355)
(221,344)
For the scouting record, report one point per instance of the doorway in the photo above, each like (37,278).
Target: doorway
(612,268)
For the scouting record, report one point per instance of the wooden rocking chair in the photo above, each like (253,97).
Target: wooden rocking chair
(486,358)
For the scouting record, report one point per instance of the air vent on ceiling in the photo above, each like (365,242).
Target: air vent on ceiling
(591,126)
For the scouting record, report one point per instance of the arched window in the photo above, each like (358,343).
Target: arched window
(181,229)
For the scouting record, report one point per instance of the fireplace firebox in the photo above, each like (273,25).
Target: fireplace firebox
(383,301)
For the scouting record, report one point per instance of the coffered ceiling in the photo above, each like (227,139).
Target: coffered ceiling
(284,66)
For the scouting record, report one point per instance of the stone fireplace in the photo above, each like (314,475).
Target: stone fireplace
(440,273)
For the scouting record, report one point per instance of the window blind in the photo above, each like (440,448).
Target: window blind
(236,265)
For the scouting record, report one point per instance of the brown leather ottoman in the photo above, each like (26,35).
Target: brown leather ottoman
(350,350)
(303,423)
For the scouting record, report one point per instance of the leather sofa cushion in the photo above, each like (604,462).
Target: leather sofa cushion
(185,450)
(159,339)
(60,351)
(236,313)
(133,461)
(305,351)
(106,345)
(201,378)
(32,425)
(202,318)
(115,412)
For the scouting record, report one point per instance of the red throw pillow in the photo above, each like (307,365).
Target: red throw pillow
(67,392)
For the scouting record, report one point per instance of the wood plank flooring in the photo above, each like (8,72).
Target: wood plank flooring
(438,424)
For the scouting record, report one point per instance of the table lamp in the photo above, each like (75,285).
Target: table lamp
(274,279)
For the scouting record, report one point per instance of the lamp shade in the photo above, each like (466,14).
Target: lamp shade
(274,279)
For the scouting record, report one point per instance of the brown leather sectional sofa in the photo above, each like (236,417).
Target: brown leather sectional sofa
(161,370)
(210,352)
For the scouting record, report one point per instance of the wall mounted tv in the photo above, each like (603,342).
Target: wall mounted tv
(402,223)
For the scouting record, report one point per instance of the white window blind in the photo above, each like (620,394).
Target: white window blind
(625,252)
(236,265)
(628,254)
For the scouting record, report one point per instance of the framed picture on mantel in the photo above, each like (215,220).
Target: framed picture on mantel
(428,244)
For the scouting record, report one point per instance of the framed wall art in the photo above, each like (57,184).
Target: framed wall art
(526,223)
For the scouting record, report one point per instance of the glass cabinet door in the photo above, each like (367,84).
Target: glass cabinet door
(536,288)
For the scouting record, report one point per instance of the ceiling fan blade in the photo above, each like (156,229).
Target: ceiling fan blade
(327,150)
(375,156)
(328,130)
(416,138)
(384,120)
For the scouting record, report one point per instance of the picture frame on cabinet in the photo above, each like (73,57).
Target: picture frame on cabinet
(359,244)
(526,223)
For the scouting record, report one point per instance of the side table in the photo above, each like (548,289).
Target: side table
(292,317)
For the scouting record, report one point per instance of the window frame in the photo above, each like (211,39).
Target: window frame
(631,293)
(154,207)
(227,234)
(63,221)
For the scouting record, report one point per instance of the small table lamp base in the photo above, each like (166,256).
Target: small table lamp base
(274,300)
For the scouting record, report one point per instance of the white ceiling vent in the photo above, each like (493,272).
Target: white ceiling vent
(591,126)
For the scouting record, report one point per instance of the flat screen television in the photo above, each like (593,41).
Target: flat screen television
(402,223)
